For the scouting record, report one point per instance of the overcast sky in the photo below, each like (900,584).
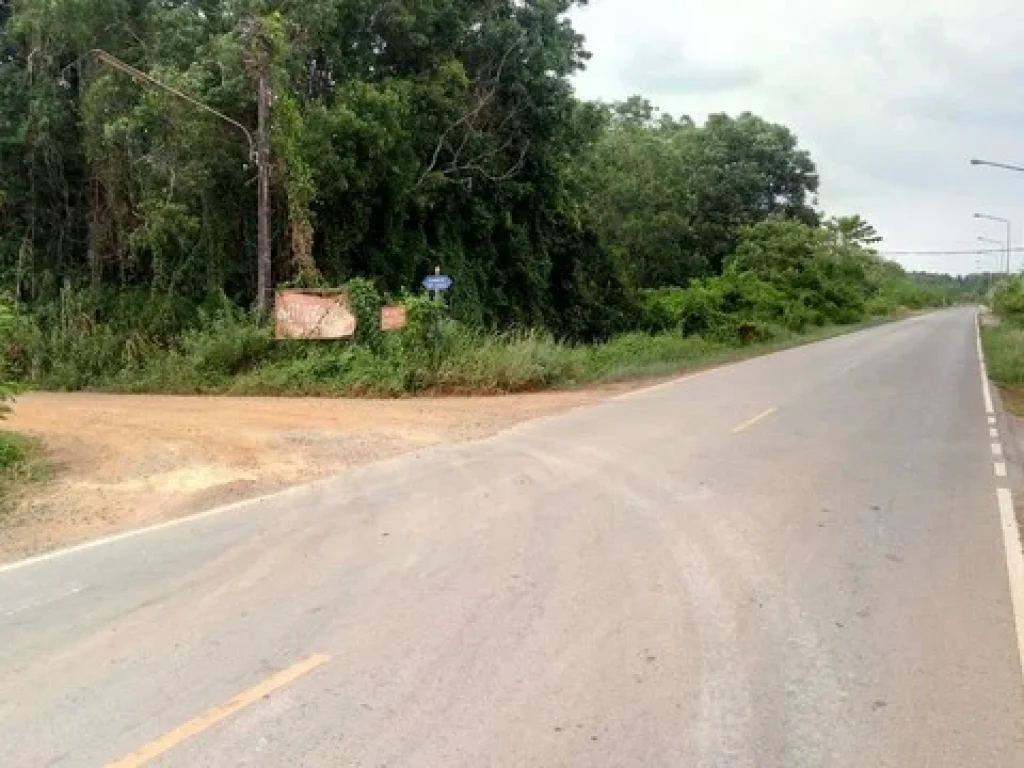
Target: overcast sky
(892,98)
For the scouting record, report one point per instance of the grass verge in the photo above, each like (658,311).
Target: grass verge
(235,357)
(1004,356)
(477,364)
(21,462)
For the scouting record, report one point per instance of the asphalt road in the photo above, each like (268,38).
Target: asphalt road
(792,561)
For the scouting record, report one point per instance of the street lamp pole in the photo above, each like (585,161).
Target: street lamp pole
(1009,234)
(989,240)
(1005,167)
(259,153)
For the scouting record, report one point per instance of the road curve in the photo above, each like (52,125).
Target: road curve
(791,561)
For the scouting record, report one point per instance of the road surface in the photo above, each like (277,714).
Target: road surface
(792,561)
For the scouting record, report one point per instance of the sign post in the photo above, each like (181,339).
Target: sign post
(436,284)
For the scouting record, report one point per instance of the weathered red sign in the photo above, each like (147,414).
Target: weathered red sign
(393,317)
(311,315)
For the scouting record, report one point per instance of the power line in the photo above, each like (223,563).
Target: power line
(990,252)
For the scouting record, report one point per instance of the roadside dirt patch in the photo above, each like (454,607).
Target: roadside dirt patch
(122,461)
(1013,400)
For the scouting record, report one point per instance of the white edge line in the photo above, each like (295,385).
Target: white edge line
(94,543)
(1014,565)
(1011,531)
(985,388)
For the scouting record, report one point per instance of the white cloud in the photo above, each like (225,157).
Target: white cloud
(892,98)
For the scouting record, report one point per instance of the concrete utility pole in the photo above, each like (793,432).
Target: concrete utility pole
(264,265)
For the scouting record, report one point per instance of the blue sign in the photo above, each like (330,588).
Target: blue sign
(437,283)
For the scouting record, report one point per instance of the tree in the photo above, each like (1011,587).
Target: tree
(827,282)
(404,134)
(670,199)
(853,230)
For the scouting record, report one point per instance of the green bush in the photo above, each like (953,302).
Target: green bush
(691,311)
(13,451)
(880,306)
(735,308)
(225,342)
(85,337)
(1008,299)
(365,302)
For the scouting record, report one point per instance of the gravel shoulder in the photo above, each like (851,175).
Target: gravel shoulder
(124,461)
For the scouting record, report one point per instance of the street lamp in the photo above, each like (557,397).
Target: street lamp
(1009,235)
(259,152)
(989,240)
(1004,166)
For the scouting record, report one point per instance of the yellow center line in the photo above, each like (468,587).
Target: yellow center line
(760,417)
(218,714)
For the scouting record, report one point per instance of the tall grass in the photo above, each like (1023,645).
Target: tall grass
(1004,353)
(224,350)
(21,462)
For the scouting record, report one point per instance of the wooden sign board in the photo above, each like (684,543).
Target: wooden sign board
(393,317)
(312,315)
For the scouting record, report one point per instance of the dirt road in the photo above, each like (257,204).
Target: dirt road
(126,461)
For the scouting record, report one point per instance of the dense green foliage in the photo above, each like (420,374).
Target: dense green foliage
(22,461)
(1004,354)
(1008,300)
(954,289)
(670,199)
(13,451)
(406,134)
(1003,337)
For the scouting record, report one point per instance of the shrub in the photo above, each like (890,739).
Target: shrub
(1008,299)
(365,302)
(225,342)
(691,311)
(13,451)
(427,334)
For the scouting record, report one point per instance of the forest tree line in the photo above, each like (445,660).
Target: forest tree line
(405,134)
